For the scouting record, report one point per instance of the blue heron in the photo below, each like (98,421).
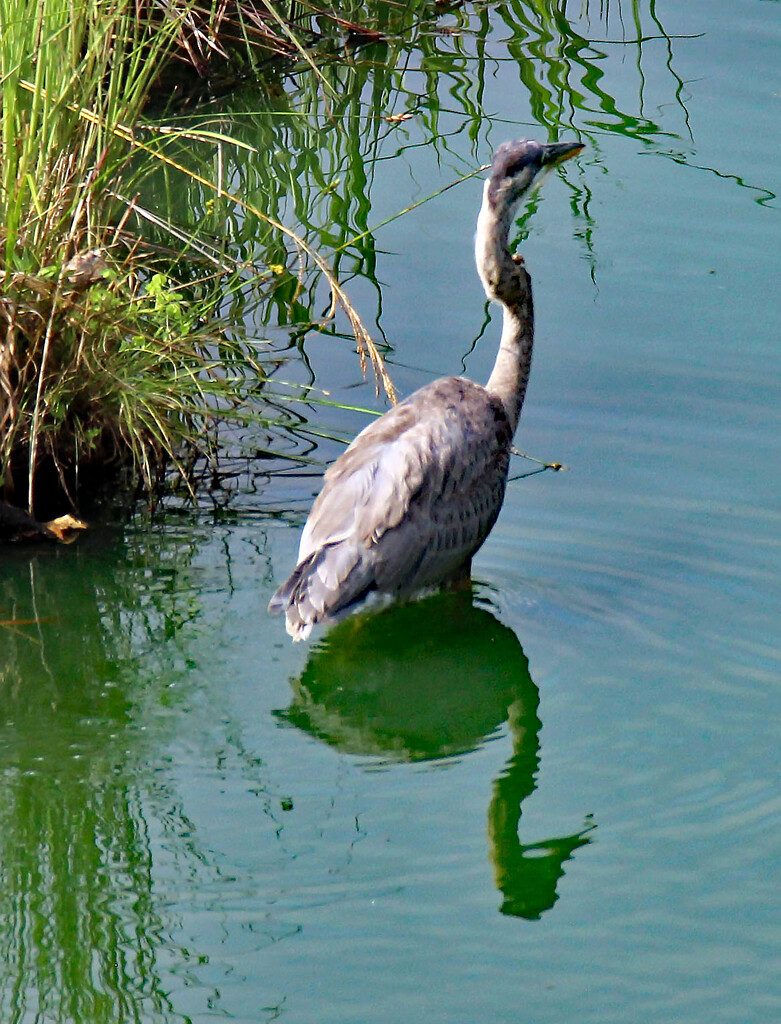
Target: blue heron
(410,501)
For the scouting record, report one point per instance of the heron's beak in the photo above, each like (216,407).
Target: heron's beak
(557,152)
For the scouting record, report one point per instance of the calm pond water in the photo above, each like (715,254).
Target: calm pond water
(554,800)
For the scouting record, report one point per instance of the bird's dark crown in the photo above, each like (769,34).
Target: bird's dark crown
(512,157)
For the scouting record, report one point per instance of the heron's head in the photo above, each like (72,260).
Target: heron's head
(521,165)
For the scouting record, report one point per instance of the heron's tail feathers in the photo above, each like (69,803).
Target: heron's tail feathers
(322,584)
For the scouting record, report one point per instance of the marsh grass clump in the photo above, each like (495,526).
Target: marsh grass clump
(107,359)
(74,80)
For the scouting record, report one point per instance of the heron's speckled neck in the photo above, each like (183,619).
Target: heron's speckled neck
(506,281)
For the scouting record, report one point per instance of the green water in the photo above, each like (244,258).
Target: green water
(553,800)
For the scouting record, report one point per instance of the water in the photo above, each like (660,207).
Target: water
(556,800)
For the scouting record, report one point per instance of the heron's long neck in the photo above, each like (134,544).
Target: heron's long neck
(510,374)
(506,282)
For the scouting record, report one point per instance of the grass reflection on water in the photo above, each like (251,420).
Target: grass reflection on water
(81,930)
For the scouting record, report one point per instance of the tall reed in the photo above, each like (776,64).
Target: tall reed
(73,79)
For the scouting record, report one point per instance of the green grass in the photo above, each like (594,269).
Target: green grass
(74,78)
(128,367)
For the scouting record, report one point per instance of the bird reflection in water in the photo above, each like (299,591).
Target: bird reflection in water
(430,680)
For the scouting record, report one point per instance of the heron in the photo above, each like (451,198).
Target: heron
(413,497)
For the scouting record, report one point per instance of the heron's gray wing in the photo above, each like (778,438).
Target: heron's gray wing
(368,489)
(426,451)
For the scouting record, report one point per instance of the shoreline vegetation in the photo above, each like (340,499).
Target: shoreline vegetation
(116,354)
(152,156)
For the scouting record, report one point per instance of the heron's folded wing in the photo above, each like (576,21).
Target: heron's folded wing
(429,448)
